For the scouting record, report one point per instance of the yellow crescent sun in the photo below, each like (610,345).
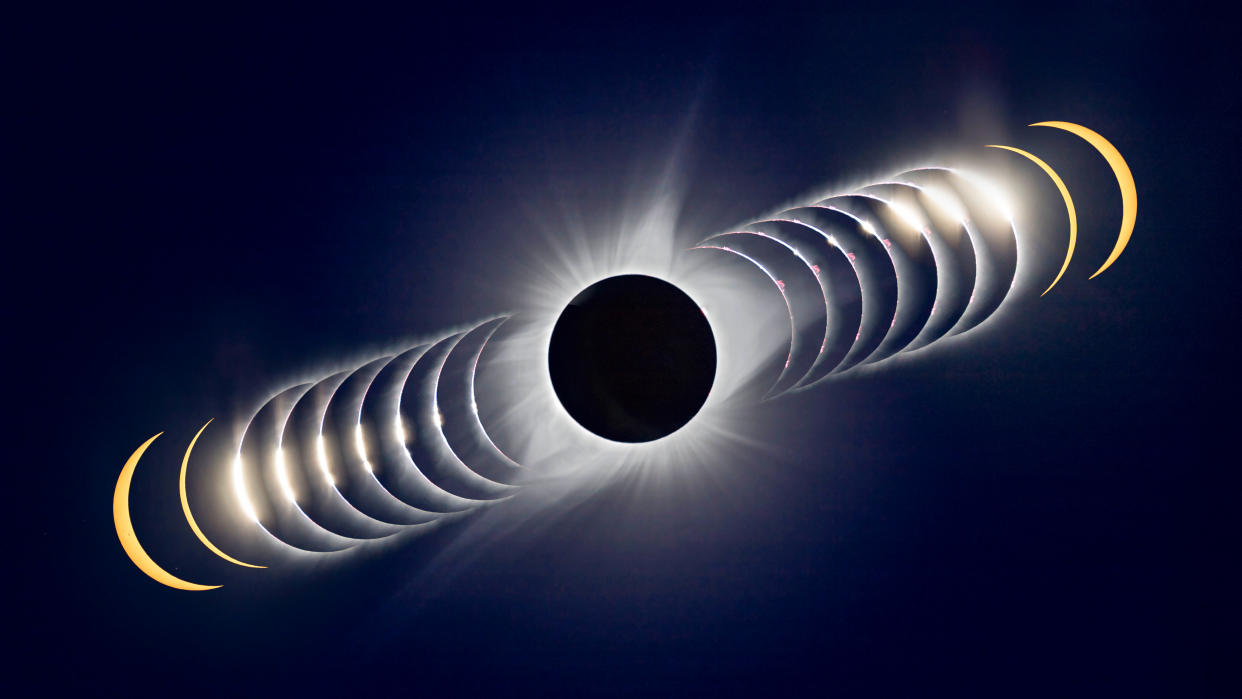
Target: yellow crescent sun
(125,528)
(1125,180)
(185,506)
(1069,208)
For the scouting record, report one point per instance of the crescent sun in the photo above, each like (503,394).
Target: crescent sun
(1069,208)
(125,528)
(1125,180)
(185,505)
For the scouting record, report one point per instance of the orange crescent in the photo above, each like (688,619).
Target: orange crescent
(185,506)
(1125,180)
(125,528)
(1069,208)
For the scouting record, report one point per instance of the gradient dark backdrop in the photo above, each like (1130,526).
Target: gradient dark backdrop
(207,203)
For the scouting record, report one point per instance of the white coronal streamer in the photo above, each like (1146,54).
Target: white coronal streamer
(287,502)
(813,269)
(462,417)
(517,416)
(821,277)
(474,401)
(323,534)
(780,286)
(916,216)
(868,306)
(390,413)
(914,221)
(947,272)
(461,469)
(277,451)
(947,203)
(241,492)
(1001,204)
(987,268)
(517,402)
(334,383)
(409,466)
(832,241)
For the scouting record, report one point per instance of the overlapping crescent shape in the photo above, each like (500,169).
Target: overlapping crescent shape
(888,290)
(125,528)
(1125,180)
(185,506)
(1069,208)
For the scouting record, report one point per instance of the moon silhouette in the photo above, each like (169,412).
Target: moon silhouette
(625,357)
(125,528)
(1069,209)
(1125,180)
(632,358)
(185,505)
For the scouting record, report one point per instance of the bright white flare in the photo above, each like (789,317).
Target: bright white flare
(239,491)
(947,203)
(361,446)
(282,475)
(996,198)
(907,215)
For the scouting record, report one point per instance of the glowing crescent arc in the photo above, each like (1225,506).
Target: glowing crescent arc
(185,506)
(1069,209)
(1125,180)
(125,528)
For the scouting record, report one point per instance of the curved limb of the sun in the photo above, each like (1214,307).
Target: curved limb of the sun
(458,465)
(393,448)
(474,397)
(871,228)
(462,416)
(323,462)
(281,466)
(241,493)
(987,270)
(989,275)
(866,274)
(811,268)
(818,368)
(1125,181)
(189,516)
(268,461)
(974,318)
(129,538)
(360,485)
(419,392)
(784,297)
(948,274)
(1069,210)
(820,279)
(916,221)
(833,244)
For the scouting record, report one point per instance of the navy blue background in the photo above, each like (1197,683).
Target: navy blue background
(207,202)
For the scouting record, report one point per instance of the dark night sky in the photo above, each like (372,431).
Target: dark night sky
(207,203)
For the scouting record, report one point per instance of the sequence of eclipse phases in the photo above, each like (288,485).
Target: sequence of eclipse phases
(631,351)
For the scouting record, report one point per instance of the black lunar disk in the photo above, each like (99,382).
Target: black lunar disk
(632,358)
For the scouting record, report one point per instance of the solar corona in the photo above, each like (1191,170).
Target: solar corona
(632,352)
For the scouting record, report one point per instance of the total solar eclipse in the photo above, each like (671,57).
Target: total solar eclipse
(632,358)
